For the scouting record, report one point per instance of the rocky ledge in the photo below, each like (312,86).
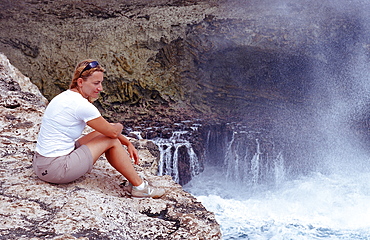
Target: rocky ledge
(94,206)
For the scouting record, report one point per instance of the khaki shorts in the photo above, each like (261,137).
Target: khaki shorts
(63,169)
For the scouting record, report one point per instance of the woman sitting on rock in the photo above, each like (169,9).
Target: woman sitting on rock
(62,155)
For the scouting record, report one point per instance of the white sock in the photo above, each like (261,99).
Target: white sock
(141,186)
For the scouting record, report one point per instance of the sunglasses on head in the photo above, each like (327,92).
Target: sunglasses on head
(93,64)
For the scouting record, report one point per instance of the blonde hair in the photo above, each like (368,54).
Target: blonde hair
(85,74)
(80,73)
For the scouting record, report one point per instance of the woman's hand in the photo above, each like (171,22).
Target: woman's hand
(130,148)
(133,153)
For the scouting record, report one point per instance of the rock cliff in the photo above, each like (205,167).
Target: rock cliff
(175,60)
(92,207)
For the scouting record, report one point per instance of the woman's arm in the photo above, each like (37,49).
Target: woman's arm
(101,125)
(114,130)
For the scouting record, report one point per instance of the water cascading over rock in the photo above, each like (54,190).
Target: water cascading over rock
(177,158)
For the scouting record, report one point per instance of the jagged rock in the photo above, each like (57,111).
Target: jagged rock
(92,207)
(206,59)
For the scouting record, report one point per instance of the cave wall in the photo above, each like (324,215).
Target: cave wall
(184,59)
(45,40)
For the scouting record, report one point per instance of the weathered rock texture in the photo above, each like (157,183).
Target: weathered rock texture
(204,56)
(94,206)
(173,60)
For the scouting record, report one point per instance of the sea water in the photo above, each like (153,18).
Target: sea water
(317,206)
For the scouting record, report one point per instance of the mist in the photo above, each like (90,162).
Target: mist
(333,123)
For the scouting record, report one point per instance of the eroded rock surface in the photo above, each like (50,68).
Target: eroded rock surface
(94,206)
(170,61)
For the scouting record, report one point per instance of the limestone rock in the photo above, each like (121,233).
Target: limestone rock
(92,207)
(185,58)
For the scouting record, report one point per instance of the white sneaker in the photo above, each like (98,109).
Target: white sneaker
(148,191)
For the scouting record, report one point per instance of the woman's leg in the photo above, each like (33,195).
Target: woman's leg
(88,137)
(114,152)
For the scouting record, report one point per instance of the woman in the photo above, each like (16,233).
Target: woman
(60,158)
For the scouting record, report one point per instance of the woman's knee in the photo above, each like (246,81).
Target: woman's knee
(101,144)
(88,137)
(115,141)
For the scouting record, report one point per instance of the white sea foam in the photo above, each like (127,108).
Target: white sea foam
(315,207)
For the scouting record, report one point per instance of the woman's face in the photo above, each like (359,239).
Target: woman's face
(93,85)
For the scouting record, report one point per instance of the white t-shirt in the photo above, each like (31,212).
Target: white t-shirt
(63,122)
